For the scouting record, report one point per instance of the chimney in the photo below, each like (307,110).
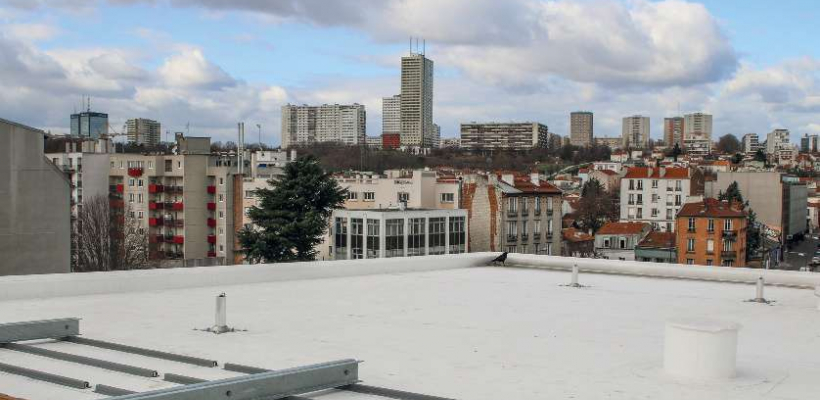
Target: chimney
(535,178)
(663,171)
(508,178)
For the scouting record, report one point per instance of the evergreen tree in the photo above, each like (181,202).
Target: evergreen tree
(292,216)
(595,207)
(753,239)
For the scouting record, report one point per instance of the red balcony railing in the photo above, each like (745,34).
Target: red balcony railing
(212,206)
(212,189)
(155,188)
(154,221)
(211,222)
(211,238)
(152,205)
(120,188)
(179,239)
(135,172)
(211,254)
(156,239)
(116,203)
(176,206)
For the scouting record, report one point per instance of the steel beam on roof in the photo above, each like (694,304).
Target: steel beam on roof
(267,385)
(243,368)
(142,351)
(111,390)
(42,329)
(182,379)
(44,376)
(392,393)
(58,355)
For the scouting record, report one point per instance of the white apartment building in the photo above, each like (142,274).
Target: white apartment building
(654,195)
(143,131)
(416,189)
(776,140)
(391,114)
(328,123)
(396,232)
(751,144)
(266,164)
(697,133)
(416,101)
(635,131)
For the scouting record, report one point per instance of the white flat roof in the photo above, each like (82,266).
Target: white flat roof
(451,330)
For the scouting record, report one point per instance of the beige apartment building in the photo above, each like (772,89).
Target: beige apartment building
(416,101)
(581,128)
(186,203)
(415,189)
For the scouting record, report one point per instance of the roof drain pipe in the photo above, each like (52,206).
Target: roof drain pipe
(759,298)
(574,279)
(221,323)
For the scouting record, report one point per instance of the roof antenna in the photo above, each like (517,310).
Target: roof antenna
(423,46)
(411,45)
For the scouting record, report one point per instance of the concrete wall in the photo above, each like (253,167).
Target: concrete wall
(796,197)
(35,227)
(761,189)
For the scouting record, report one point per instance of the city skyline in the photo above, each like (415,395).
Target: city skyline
(727,63)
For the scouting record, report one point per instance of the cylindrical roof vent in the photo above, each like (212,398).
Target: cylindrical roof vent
(700,349)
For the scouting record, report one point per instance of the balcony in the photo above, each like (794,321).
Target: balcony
(155,221)
(173,206)
(211,222)
(729,233)
(177,223)
(174,255)
(211,189)
(212,206)
(153,205)
(536,237)
(728,254)
(536,212)
(178,240)
(549,212)
(119,188)
(155,188)
(512,238)
(135,172)
(211,238)
(525,212)
(525,237)
(172,189)
(156,239)
(512,213)
(211,254)
(114,203)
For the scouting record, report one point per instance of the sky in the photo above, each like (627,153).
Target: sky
(201,66)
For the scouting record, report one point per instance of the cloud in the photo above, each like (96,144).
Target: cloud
(190,69)
(31,32)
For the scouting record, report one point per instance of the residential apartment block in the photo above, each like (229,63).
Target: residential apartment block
(503,135)
(143,131)
(391,115)
(416,101)
(517,214)
(396,232)
(697,134)
(581,128)
(635,132)
(809,143)
(328,123)
(415,189)
(712,232)
(673,132)
(35,217)
(751,144)
(654,195)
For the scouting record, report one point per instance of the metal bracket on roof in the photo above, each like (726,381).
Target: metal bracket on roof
(94,362)
(267,385)
(42,329)
(44,376)
(142,351)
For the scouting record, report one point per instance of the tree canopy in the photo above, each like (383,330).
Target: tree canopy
(596,207)
(292,216)
(753,239)
(728,144)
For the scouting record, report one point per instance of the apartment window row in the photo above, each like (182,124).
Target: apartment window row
(394,237)
(512,227)
(366,196)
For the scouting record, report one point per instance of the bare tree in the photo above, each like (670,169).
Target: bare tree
(108,239)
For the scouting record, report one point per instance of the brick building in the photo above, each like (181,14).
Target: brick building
(711,232)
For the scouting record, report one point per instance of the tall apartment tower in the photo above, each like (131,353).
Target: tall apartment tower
(143,131)
(305,125)
(751,144)
(391,114)
(673,131)
(635,131)
(416,101)
(580,128)
(697,133)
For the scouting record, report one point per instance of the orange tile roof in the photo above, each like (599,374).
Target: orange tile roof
(711,208)
(622,228)
(669,173)
(658,240)
(525,185)
(575,235)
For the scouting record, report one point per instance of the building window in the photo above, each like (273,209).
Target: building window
(369,196)
(536,227)
(678,186)
(640,198)
(437,236)
(353,196)
(221,181)
(549,204)
(631,184)
(373,238)
(150,165)
(654,184)
(691,224)
(709,261)
(622,243)
(537,205)
(340,240)
(549,227)
(168,166)
(131,182)
(139,214)
(640,184)
(606,243)
(221,197)
(710,227)
(139,198)
(512,228)
(394,238)
(448,197)
(710,246)
(728,245)
(249,194)
(727,224)
(524,227)
(640,213)
(403,197)
(690,261)
(356,238)
(416,237)
(655,213)
(690,244)
(221,214)
(512,205)
(458,235)
(524,204)
(130,197)
(631,198)
(139,182)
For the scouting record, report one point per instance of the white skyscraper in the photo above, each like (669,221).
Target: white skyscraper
(304,125)
(697,133)
(391,114)
(635,131)
(416,101)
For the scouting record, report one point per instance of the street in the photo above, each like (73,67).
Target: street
(800,255)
